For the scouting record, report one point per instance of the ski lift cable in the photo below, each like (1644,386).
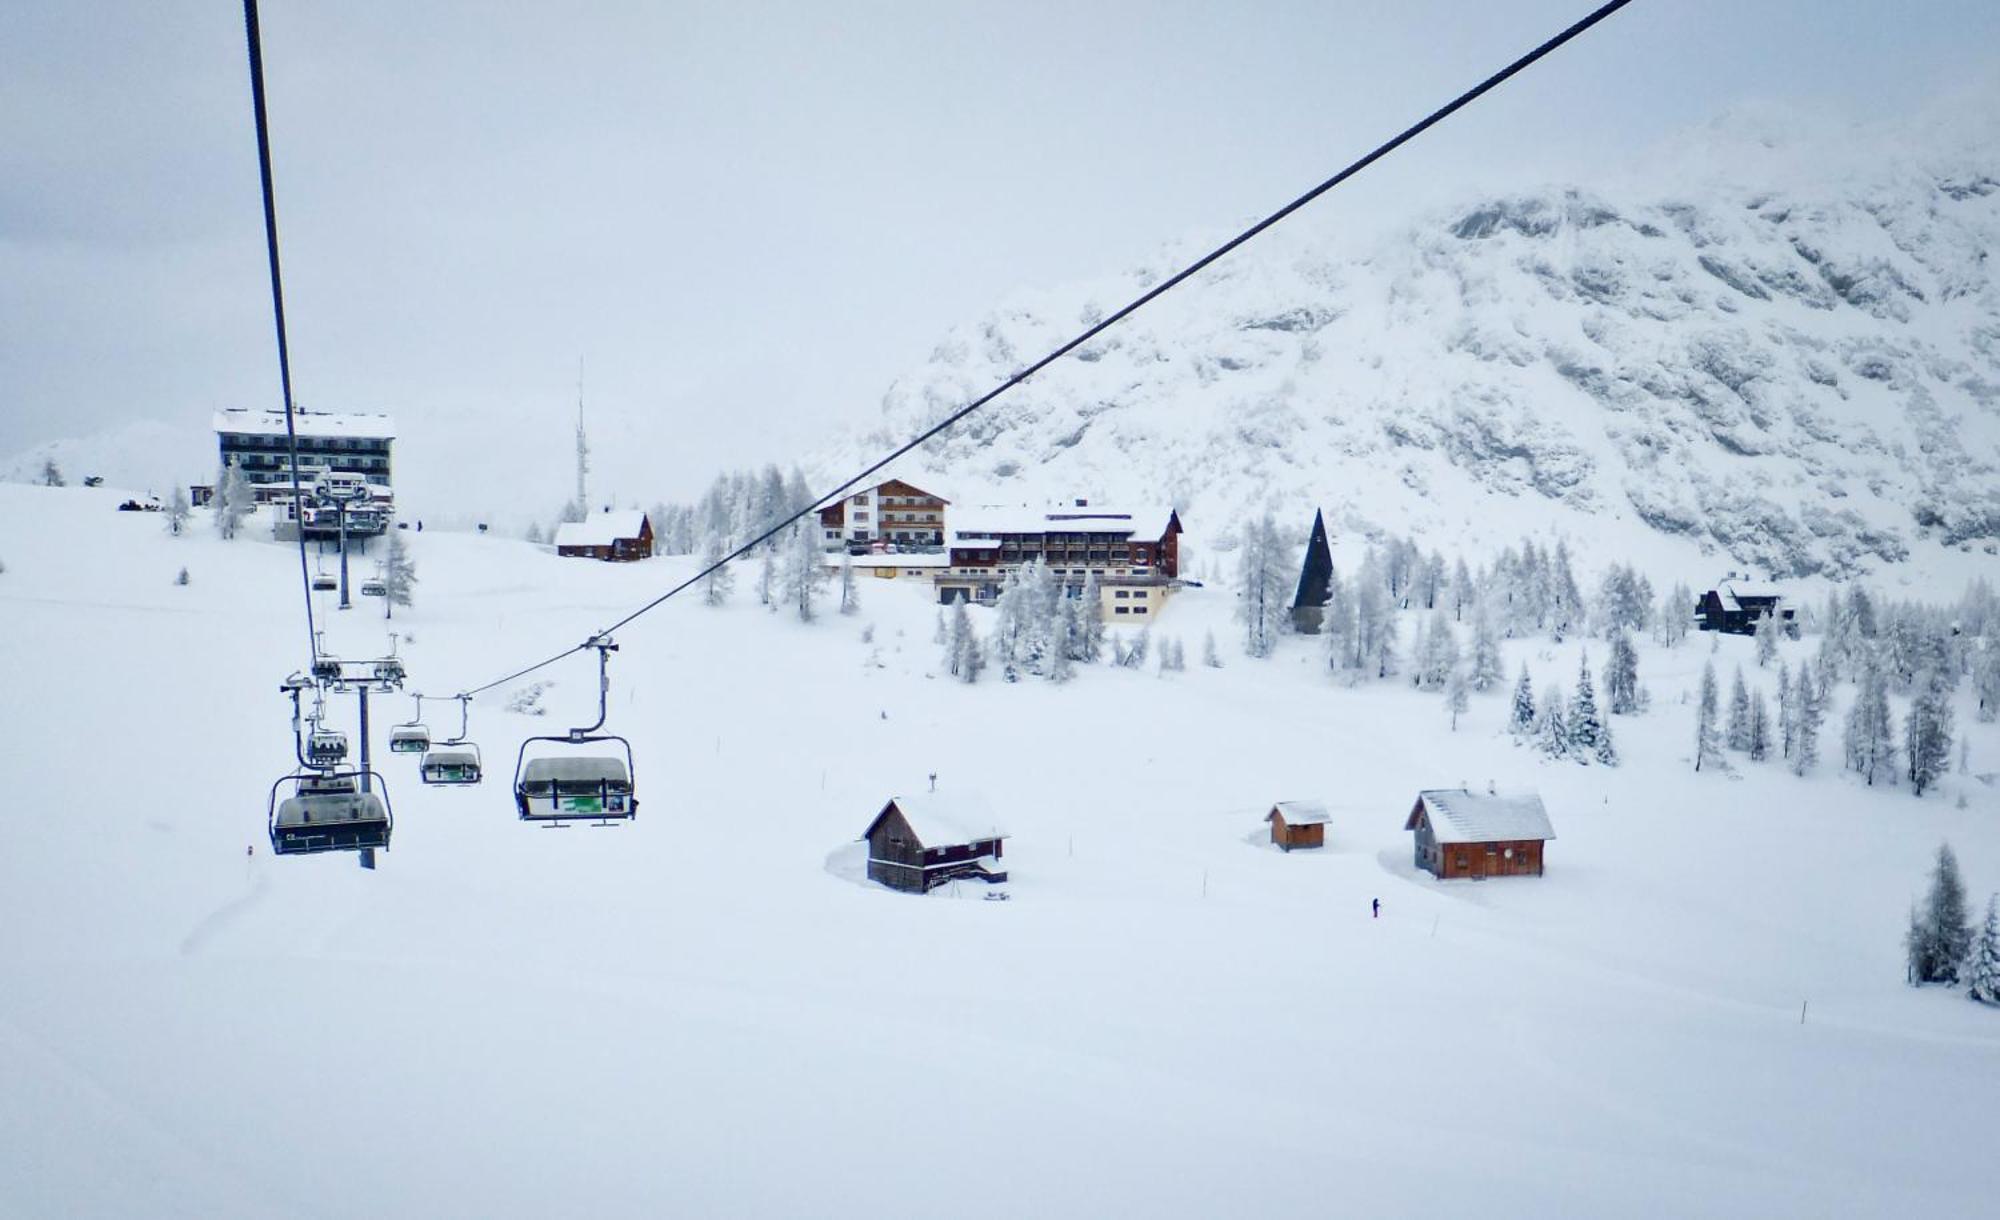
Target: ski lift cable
(1165,286)
(254,37)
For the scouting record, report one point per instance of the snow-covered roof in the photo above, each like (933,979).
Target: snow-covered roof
(602,529)
(307,423)
(1462,816)
(580,769)
(939,818)
(876,559)
(1147,522)
(1301,813)
(976,544)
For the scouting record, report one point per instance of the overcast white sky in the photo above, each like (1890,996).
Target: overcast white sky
(748,218)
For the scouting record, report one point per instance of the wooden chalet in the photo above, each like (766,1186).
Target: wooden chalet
(1735,605)
(891,513)
(917,843)
(1315,580)
(1298,824)
(1134,553)
(617,537)
(1460,833)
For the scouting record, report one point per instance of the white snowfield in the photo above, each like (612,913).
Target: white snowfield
(1171,1018)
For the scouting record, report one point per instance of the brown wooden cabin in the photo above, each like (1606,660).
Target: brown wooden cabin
(1460,833)
(1736,604)
(619,537)
(917,843)
(1298,824)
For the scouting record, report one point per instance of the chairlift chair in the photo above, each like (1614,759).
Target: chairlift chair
(374,588)
(584,775)
(329,811)
(326,747)
(411,737)
(455,761)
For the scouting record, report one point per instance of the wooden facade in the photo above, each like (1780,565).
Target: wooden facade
(901,860)
(618,546)
(1736,610)
(1464,835)
(890,512)
(1297,824)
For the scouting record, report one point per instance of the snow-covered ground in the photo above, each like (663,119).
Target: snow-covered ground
(704,1013)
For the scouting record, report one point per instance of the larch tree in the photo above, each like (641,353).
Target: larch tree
(1209,656)
(1737,733)
(850,594)
(1869,739)
(804,573)
(1485,672)
(1788,713)
(1438,652)
(1621,675)
(1707,739)
(1760,728)
(1461,590)
(1767,639)
(1090,618)
(178,512)
(399,576)
(1940,937)
(1336,625)
(1455,699)
(767,579)
(1262,587)
(1927,733)
(715,586)
(1810,698)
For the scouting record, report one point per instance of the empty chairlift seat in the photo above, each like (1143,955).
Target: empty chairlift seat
(409,739)
(328,813)
(326,748)
(564,788)
(451,763)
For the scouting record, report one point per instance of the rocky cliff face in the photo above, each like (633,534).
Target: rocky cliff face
(1795,364)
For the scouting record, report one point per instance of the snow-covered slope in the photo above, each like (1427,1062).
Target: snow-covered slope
(1785,348)
(706,1012)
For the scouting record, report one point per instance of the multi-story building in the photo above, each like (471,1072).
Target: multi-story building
(345,453)
(894,512)
(1134,553)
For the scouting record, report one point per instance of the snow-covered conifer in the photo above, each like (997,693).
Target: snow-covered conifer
(1760,728)
(1707,743)
(177,511)
(1565,600)
(1090,618)
(1209,656)
(1522,718)
(1940,935)
(1336,625)
(1430,582)
(1767,639)
(1621,675)
(1142,644)
(1868,738)
(181,578)
(1484,673)
(1809,698)
(1552,729)
(1462,593)
(850,595)
(1060,663)
(399,576)
(1607,753)
(1788,712)
(716,585)
(1927,733)
(1986,674)
(232,500)
(1982,978)
(1437,652)
(1585,725)
(1455,699)
(1262,593)
(1737,734)
(804,572)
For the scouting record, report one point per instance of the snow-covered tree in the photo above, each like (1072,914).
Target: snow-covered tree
(178,511)
(1927,733)
(1455,698)
(715,586)
(1737,734)
(231,501)
(1209,656)
(1484,672)
(1430,582)
(1585,725)
(1552,735)
(1462,594)
(534,534)
(804,572)
(1940,936)
(399,576)
(1262,587)
(850,595)
(1788,712)
(1869,738)
(1090,621)
(181,578)
(51,473)
(1621,675)
(1676,609)
(1707,742)
(1982,978)
(963,656)
(1810,699)
(1607,752)
(767,579)
(1437,652)
(1565,600)
(1521,720)
(1142,645)
(1336,625)
(1760,728)
(1985,662)
(1767,639)
(1060,663)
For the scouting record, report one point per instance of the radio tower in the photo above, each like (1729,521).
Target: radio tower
(582,449)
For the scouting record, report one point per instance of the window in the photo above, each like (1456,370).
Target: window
(1122,610)
(1138,610)
(1121,594)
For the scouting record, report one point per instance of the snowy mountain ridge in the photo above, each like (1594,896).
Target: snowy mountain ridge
(1790,357)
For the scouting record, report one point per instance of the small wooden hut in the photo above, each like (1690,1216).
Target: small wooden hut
(918,843)
(1460,833)
(617,537)
(1298,824)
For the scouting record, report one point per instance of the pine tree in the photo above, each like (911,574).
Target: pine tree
(716,585)
(767,578)
(1788,713)
(1927,733)
(1707,745)
(1760,728)
(1868,737)
(1810,699)
(1437,652)
(1209,656)
(399,576)
(1552,731)
(1461,590)
(1336,624)
(1522,718)
(177,512)
(1737,733)
(1455,700)
(1940,937)
(1090,616)
(1982,978)
(1060,663)
(1585,726)
(1621,675)
(850,596)
(1607,753)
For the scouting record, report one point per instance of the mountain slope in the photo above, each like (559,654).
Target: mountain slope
(1794,361)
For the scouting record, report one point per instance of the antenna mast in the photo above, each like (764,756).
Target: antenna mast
(582,449)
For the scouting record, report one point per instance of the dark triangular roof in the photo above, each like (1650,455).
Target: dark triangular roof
(1318,570)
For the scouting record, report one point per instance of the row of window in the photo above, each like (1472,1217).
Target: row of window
(1128,610)
(307,444)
